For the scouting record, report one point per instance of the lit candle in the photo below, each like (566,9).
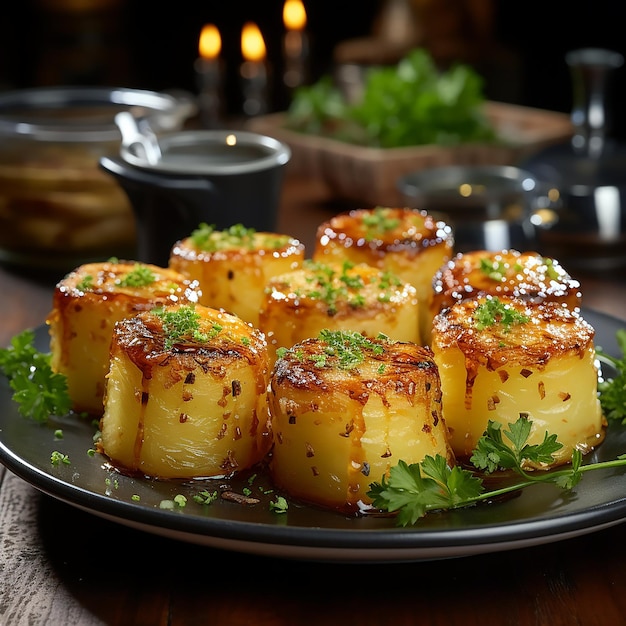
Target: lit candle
(295,44)
(209,72)
(254,71)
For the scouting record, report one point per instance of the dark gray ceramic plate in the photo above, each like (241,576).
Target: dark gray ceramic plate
(538,515)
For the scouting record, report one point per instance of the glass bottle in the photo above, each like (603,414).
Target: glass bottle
(587,173)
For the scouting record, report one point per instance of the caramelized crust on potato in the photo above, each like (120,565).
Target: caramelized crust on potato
(299,304)
(500,358)
(345,409)
(233,266)
(408,242)
(85,306)
(526,275)
(197,407)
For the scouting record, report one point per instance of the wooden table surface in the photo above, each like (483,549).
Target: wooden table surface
(62,566)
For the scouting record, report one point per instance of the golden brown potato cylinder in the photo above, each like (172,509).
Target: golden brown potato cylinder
(527,275)
(500,358)
(87,303)
(233,266)
(345,409)
(300,303)
(186,394)
(407,242)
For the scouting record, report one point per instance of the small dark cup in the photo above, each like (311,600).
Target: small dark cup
(221,177)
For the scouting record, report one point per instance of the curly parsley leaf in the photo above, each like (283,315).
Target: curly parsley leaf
(492,452)
(38,391)
(413,490)
(613,389)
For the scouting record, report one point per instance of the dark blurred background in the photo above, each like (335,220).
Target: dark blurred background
(518,47)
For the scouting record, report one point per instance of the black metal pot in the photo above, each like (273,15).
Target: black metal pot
(219,177)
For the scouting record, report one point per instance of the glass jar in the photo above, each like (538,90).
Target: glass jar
(58,208)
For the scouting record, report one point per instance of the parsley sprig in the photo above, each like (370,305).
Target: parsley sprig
(408,104)
(613,389)
(414,490)
(38,391)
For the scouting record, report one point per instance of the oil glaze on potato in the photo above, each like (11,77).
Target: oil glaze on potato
(345,409)
(407,242)
(500,358)
(195,408)
(233,266)
(87,303)
(527,275)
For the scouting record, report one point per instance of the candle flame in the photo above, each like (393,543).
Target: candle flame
(294,15)
(210,42)
(252,44)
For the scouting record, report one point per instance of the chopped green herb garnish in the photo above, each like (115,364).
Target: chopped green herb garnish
(140,276)
(205,497)
(58,434)
(347,348)
(493,311)
(499,270)
(56,458)
(183,324)
(200,236)
(332,285)
(493,269)
(180,500)
(379,222)
(551,271)
(206,238)
(280,505)
(86,283)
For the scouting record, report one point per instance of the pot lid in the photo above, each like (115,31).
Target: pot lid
(85,114)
